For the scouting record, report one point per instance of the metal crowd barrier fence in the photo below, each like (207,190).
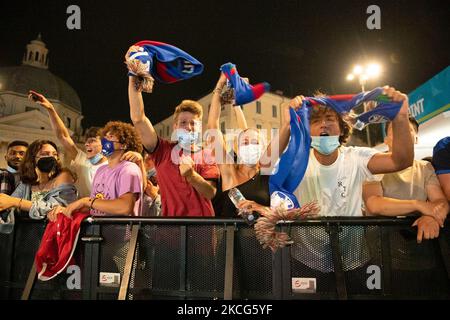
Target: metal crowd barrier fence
(161,258)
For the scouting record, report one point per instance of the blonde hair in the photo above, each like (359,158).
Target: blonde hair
(188,106)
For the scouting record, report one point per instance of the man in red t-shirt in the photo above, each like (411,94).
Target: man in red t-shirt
(187,182)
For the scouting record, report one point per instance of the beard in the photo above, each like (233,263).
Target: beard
(12,165)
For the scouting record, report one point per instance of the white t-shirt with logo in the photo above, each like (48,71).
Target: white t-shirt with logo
(85,172)
(338,190)
(338,187)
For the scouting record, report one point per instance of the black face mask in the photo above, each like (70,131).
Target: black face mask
(46,164)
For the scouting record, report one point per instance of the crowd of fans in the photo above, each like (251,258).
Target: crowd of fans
(127,169)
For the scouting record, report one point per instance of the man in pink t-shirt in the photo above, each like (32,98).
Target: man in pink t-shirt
(117,186)
(111,183)
(187,184)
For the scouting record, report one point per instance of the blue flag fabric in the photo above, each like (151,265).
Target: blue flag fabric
(166,63)
(385,110)
(293,162)
(291,168)
(244,92)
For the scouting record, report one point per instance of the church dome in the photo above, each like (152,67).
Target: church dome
(33,74)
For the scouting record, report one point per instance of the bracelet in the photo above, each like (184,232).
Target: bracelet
(20,203)
(92,203)
(217,90)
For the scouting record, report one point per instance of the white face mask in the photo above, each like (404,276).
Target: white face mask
(250,154)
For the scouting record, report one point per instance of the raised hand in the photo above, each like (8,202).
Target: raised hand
(186,166)
(132,156)
(397,96)
(39,99)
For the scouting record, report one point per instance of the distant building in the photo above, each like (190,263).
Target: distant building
(21,119)
(265,113)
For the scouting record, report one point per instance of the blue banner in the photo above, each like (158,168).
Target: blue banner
(431,98)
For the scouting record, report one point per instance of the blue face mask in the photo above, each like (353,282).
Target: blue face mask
(151,173)
(325,144)
(107,147)
(11,170)
(96,159)
(186,139)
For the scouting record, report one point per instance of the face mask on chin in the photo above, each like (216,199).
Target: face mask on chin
(250,154)
(151,173)
(325,144)
(11,169)
(96,159)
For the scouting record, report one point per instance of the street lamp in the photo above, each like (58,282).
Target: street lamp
(372,70)
(363,74)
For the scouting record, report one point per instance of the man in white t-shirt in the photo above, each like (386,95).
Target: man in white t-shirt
(83,163)
(334,177)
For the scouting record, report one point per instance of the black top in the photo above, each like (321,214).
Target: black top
(255,189)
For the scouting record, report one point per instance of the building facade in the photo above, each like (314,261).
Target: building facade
(265,114)
(22,119)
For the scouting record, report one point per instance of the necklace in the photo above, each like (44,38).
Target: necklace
(44,186)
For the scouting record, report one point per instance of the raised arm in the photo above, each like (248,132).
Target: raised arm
(62,134)
(218,144)
(142,124)
(241,121)
(214,111)
(402,153)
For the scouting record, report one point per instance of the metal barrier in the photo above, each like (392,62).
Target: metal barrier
(160,258)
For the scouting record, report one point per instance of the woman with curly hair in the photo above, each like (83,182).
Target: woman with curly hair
(44,183)
(117,187)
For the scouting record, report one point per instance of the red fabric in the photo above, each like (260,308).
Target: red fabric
(161,68)
(258,90)
(338,97)
(178,197)
(57,245)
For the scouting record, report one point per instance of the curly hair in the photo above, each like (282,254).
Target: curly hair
(126,134)
(27,170)
(319,110)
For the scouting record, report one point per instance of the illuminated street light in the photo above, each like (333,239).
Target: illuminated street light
(357,70)
(373,70)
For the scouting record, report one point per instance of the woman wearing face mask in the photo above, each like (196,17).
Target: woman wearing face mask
(244,173)
(84,163)
(117,187)
(44,183)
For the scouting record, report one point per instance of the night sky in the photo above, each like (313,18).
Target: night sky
(296,46)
